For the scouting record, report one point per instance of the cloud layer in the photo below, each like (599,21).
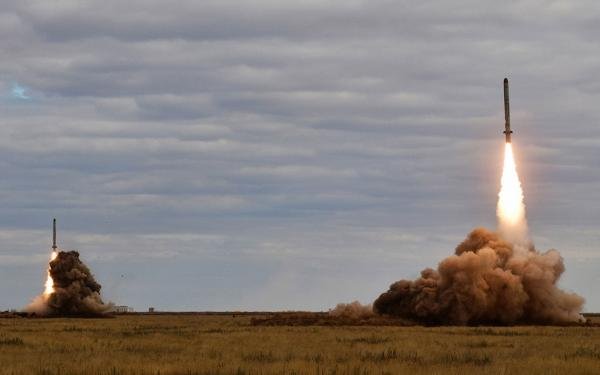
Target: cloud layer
(283,144)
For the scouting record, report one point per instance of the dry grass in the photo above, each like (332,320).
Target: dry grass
(196,344)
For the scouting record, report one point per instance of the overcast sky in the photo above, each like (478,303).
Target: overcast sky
(216,155)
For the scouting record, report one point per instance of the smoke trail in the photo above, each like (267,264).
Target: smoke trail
(73,291)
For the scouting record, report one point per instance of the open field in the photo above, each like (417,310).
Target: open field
(223,344)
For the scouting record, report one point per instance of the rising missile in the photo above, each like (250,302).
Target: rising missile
(54,247)
(507,130)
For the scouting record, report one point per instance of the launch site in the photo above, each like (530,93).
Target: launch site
(324,187)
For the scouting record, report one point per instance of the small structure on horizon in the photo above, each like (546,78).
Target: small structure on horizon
(123,309)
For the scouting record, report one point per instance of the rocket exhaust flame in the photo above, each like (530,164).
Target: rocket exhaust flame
(512,223)
(49,285)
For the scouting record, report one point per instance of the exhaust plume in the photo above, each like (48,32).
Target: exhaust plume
(49,285)
(70,289)
(493,278)
(512,224)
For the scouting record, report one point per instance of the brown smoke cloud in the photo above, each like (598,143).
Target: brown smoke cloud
(76,292)
(352,310)
(487,281)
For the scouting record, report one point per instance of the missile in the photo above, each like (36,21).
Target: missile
(54,247)
(507,130)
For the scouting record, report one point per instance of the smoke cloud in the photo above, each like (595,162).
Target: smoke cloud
(352,310)
(75,291)
(486,282)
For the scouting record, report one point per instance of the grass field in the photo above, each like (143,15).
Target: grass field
(197,344)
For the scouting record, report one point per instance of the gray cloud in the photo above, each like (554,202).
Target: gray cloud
(267,137)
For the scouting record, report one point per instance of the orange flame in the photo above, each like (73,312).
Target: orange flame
(49,285)
(511,207)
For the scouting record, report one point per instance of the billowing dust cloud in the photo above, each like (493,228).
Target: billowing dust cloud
(352,310)
(493,278)
(485,282)
(71,289)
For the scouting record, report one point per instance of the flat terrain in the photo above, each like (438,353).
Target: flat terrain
(223,344)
